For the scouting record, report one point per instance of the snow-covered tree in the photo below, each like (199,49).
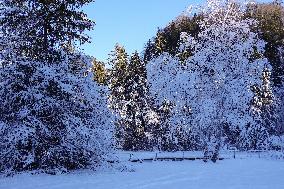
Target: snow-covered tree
(53,116)
(136,106)
(168,82)
(226,63)
(279,91)
(117,84)
(129,98)
(214,83)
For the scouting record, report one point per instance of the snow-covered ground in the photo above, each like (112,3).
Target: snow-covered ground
(240,173)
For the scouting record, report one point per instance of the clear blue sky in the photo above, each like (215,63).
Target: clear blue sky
(129,22)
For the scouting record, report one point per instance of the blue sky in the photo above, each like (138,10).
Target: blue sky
(129,22)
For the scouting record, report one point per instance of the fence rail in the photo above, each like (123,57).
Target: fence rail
(187,155)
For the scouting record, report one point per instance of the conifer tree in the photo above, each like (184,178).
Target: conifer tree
(39,28)
(100,72)
(128,98)
(270,17)
(279,91)
(263,100)
(117,84)
(136,108)
(149,51)
(119,61)
(54,117)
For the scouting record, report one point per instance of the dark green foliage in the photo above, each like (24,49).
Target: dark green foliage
(129,98)
(136,91)
(270,17)
(40,29)
(167,39)
(118,59)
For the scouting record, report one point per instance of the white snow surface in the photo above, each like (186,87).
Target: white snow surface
(245,172)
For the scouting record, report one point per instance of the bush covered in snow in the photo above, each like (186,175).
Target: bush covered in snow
(53,116)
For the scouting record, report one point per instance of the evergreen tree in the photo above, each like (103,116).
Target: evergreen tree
(263,102)
(279,91)
(168,38)
(136,108)
(37,29)
(149,51)
(54,117)
(100,72)
(117,84)
(128,98)
(270,17)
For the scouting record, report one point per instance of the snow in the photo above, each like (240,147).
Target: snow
(212,87)
(241,173)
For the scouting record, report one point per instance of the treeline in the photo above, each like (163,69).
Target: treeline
(167,98)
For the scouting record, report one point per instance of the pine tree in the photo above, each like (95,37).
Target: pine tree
(117,84)
(279,91)
(149,51)
(129,98)
(39,28)
(263,105)
(136,108)
(100,72)
(54,117)
(270,29)
(264,99)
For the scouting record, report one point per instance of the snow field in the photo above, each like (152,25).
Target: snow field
(248,173)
